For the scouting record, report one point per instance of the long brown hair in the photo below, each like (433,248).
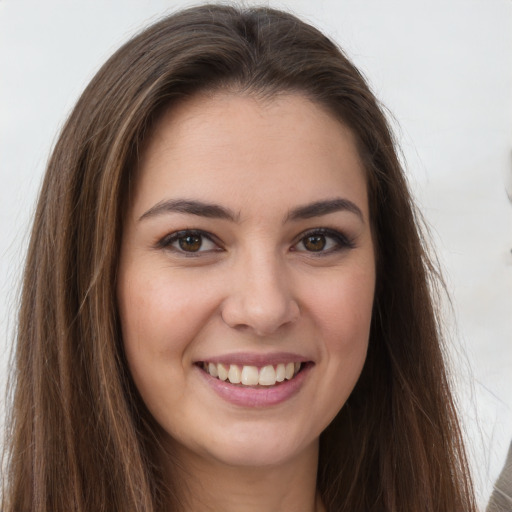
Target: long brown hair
(80,437)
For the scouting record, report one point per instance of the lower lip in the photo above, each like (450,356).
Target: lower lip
(261,396)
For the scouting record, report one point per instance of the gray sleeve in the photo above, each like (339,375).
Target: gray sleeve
(501,498)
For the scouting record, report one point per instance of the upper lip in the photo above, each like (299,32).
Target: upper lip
(255,359)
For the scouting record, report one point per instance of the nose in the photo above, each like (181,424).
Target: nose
(260,297)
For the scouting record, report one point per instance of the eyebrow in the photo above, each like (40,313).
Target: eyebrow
(214,211)
(191,207)
(320,208)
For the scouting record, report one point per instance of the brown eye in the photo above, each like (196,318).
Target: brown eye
(323,241)
(314,243)
(190,243)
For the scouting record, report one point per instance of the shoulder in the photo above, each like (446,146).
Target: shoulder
(501,498)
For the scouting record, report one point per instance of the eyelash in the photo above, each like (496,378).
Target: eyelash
(341,241)
(167,241)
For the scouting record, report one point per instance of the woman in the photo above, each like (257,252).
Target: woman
(227,302)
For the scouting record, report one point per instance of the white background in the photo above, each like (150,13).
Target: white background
(442,67)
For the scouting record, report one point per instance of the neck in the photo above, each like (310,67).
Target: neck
(210,485)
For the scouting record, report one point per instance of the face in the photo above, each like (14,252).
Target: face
(246,276)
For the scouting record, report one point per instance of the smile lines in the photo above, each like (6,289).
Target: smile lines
(252,375)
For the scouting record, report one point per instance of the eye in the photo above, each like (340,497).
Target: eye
(188,241)
(323,241)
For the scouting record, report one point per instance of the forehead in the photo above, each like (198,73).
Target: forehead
(241,149)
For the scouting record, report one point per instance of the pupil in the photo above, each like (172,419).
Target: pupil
(190,243)
(315,242)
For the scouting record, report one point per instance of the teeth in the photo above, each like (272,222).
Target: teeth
(280,372)
(252,375)
(212,370)
(234,374)
(267,376)
(249,375)
(222,371)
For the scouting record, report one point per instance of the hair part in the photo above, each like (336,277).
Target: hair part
(80,437)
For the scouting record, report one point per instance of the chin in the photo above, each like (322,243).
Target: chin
(259,447)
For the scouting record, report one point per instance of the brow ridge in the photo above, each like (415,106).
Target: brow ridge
(191,207)
(210,210)
(324,207)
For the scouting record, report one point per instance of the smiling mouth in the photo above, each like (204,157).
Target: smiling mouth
(248,375)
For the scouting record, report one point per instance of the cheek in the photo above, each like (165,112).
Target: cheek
(160,320)
(340,307)
(158,314)
(157,328)
(342,310)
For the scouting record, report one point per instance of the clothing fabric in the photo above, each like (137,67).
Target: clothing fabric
(501,498)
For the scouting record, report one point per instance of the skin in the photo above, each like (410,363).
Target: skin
(255,287)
